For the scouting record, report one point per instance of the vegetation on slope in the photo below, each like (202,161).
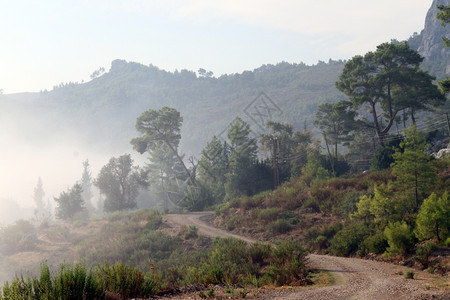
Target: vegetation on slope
(129,255)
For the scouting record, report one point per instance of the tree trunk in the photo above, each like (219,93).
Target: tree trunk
(329,154)
(437,232)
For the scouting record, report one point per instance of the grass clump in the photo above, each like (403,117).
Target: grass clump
(409,275)
(71,282)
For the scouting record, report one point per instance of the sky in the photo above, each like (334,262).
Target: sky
(44,43)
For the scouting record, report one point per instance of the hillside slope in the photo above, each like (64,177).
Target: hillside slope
(104,110)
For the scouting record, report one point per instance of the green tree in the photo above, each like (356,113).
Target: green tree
(387,82)
(399,237)
(415,175)
(86,184)
(382,207)
(70,203)
(382,158)
(158,128)
(41,211)
(119,181)
(313,169)
(279,143)
(242,158)
(213,168)
(304,146)
(433,219)
(336,122)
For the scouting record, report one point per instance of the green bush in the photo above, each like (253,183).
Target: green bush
(447,242)
(348,205)
(70,283)
(192,233)
(246,202)
(287,264)
(409,275)
(424,252)
(221,209)
(268,215)
(126,281)
(234,222)
(348,240)
(376,243)
(399,237)
(279,226)
(17,237)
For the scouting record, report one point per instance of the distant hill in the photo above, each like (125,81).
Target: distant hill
(103,111)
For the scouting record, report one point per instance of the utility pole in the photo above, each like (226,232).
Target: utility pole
(276,176)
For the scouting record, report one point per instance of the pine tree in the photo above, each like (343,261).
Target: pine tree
(86,184)
(242,157)
(433,220)
(415,175)
(42,211)
(70,203)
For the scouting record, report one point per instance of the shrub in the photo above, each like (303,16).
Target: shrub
(287,264)
(376,243)
(321,242)
(348,205)
(258,255)
(279,226)
(233,222)
(447,242)
(399,237)
(268,215)
(70,283)
(424,252)
(433,220)
(17,237)
(348,240)
(221,209)
(246,202)
(126,281)
(409,275)
(228,261)
(192,233)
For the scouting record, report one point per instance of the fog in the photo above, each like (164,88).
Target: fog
(31,147)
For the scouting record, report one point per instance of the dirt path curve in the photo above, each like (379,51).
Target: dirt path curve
(355,278)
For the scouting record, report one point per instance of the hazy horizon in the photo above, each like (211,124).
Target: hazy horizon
(53,42)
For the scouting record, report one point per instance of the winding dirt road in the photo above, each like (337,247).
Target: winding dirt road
(355,278)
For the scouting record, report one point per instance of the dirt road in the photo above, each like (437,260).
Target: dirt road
(355,278)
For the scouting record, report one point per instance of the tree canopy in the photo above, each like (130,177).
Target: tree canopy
(387,82)
(70,203)
(161,129)
(119,181)
(336,122)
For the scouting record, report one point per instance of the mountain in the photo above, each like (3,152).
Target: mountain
(103,112)
(429,43)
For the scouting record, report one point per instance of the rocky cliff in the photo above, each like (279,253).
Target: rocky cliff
(431,46)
